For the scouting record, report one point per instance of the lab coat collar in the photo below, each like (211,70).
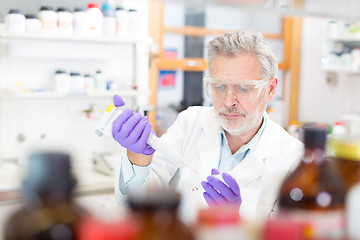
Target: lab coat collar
(269,141)
(254,165)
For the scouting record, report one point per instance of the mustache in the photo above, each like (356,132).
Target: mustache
(225,110)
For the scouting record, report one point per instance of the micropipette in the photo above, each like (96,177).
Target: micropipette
(105,127)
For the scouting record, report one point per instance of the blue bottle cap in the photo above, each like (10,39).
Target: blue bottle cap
(107,7)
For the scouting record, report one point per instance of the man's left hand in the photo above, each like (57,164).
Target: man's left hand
(218,193)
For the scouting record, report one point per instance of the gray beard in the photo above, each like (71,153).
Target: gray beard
(245,126)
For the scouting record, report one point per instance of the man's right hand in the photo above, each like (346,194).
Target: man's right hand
(132,130)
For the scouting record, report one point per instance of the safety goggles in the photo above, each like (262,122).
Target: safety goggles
(242,90)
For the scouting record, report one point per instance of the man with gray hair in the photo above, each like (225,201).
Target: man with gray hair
(232,152)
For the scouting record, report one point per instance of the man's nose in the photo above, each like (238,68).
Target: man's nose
(230,98)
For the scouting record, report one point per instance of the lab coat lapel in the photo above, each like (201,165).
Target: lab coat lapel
(249,169)
(208,146)
(253,166)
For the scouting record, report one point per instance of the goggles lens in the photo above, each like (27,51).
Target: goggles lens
(243,90)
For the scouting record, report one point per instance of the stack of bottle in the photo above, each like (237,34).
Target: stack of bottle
(76,83)
(94,20)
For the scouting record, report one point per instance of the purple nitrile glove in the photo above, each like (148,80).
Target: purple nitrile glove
(218,193)
(132,130)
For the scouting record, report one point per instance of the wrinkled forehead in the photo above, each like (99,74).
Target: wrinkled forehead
(243,67)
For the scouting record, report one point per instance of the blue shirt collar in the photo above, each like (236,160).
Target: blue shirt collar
(246,147)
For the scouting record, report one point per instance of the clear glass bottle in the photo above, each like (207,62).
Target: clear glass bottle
(346,155)
(314,192)
(100,81)
(48,211)
(346,152)
(156,212)
(353,212)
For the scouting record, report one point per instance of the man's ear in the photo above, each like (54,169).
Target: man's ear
(272,88)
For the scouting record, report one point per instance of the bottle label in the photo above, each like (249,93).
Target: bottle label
(322,224)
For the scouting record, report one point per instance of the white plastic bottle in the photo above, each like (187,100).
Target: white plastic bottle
(134,22)
(48,18)
(65,21)
(95,19)
(62,81)
(339,129)
(100,82)
(333,29)
(109,20)
(15,21)
(81,22)
(122,21)
(32,24)
(77,83)
(89,83)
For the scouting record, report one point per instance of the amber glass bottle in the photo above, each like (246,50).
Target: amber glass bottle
(48,211)
(314,193)
(156,212)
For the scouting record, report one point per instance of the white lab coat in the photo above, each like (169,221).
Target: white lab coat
(195,135)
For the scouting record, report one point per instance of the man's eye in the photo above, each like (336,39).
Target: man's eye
(219,87)
(244,88)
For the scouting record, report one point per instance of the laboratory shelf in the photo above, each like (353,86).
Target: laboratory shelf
(72,38)
(341,70)
(54,95)
(344,39)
